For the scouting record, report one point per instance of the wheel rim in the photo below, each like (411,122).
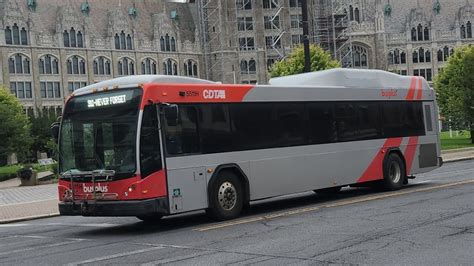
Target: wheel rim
(227,196)
(395,172)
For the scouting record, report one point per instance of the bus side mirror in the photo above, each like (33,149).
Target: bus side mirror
(171,114)
(55,131)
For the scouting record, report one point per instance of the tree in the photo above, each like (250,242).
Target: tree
(41,132)
(294,63)
(455,88)
(15,127)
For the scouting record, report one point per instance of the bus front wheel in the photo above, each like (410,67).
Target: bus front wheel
(225,197)
(393,172)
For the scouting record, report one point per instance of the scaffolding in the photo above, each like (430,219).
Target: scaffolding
(212,39)
(274,44)
(332,32)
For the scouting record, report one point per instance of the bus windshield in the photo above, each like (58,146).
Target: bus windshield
(98,131)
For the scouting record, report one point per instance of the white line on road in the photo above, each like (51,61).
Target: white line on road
(83,225)
(13,225)
(114,256)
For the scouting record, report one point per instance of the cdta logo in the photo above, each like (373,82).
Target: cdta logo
(98,188)
(213,94)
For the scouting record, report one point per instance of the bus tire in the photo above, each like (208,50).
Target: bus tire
(151,218)
(226,197)
(393,172)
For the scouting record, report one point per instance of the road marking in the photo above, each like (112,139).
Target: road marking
(330,205)
(114,256)
(33,248)
(13,225)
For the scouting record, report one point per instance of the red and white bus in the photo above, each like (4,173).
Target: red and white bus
(150,146)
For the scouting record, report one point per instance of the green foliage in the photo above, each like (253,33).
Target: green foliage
(294,63)
(8,172)
(15,132)
(460,140)
(41,133)
(455,89)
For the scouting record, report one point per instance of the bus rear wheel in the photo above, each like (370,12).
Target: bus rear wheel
(394,173)
(225,197)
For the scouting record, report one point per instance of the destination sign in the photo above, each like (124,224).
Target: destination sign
(104,101)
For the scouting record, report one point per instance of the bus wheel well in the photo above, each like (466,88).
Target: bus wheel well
(235,169)
(400,154)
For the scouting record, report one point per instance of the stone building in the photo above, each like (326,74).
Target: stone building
(49,48)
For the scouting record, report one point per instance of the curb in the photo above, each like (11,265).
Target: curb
(458,159)
(29,218)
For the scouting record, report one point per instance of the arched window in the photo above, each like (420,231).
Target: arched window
(252,66)
(444,53)
(391,58)
(420,32)
(415,57)
(72,34)
(49,65)
(101,66)
(8,36)
(359,57)
(19,64)
(190,68)
(421,54)
(76,65)
(162,44)
(356,15)
(129,42)
(125,67)
(463,32)
(66,39)
(80,40)
(469,30)
(167,43)
(173,44)
(351,13)
(148,66)
(170,67)
(122,41)
(426,34)
(16,34)
(403,58)
(440,55)
(117,41)
(427,56)
(23,36)
(413,34)
(244,67)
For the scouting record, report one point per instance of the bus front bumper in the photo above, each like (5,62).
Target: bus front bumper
(115,208)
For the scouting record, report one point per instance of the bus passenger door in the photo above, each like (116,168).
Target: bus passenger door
(187,183)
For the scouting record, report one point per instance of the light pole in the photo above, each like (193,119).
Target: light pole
(304,11)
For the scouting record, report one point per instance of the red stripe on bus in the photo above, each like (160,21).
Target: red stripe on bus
(419,95)
(410,153)
(375,171)
(411,90)
(194,93)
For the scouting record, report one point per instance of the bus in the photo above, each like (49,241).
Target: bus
(154,145)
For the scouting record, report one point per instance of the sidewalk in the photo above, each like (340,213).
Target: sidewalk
(25,203)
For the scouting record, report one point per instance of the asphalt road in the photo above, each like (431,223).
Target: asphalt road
(431,221)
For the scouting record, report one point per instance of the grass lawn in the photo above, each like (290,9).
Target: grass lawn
(456,142)
(8,172)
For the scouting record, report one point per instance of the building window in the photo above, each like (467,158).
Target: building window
(272,42)
(248,67)
(21,90)
(354,14)
(426,73)
(191,68)
(244,23)
(466,31)
(167,43)
(125,67)
(76,65)
(50,90)
(123,41)
(101,66)
(444,53)
(15,35)
(296,39)
(48,64)
(170,67)
(19,64)
(295,3)
(74,85)
(296,21)
(270,3)
(72,38)
(243,4)
(359,55)
(397,57)
(420,33)
(422,56)
(271,22)
(246,43)
(148,66)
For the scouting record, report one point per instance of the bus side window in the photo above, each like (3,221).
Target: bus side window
(150,156)
(183,138)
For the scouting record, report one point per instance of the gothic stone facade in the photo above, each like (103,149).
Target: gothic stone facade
(48,48)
